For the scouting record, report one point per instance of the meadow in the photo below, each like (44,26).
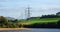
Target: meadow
(43,20)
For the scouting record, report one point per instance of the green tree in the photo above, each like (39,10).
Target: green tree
(3,19)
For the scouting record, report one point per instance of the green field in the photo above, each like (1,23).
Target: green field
(44,20)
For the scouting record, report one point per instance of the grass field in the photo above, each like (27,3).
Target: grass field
(44,20)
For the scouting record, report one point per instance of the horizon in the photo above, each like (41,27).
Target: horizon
(16,8)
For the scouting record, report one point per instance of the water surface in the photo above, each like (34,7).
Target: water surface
(34,30)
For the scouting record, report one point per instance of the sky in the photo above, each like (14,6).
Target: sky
(17,8)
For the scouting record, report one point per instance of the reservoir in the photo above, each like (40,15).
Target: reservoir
(34,30)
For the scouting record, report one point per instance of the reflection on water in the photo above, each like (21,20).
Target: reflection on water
(34,30)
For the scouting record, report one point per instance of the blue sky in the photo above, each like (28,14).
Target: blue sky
(16,8)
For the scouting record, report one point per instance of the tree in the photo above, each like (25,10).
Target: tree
(3,20)
(58,13)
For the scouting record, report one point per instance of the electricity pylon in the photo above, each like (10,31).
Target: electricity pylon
(27,12)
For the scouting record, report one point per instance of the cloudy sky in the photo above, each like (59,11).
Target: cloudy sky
(16,8)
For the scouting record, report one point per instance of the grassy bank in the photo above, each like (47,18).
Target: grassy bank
(44,20)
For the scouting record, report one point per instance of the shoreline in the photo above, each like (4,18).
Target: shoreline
(1,29)
(15,29)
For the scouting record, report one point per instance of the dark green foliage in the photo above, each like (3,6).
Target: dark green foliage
(4,23)
(44,25)
(58,13)
(50,16)
(3,20)
(58,23)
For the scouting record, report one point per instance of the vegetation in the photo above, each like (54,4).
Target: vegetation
(44,25)
(45,21)
(5,23)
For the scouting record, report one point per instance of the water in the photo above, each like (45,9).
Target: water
(34,30)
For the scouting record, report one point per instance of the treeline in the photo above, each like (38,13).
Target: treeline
(57,15)
(50,16)
(46,16)
(44,25)
(5,23)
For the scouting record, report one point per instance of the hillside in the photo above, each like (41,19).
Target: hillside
(44,20)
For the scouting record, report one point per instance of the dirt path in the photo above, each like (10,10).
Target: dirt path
(15,29)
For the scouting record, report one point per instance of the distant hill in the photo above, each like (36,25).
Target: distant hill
(10,18)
